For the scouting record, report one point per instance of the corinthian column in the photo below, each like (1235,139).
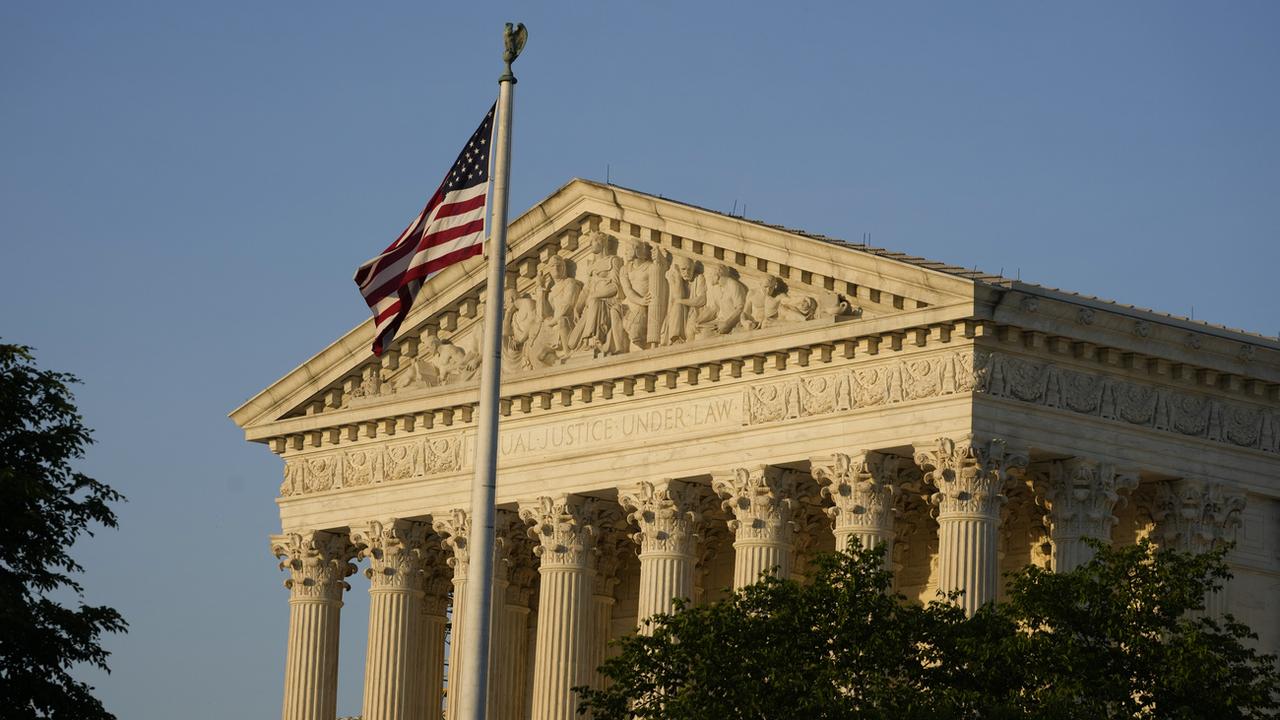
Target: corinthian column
(455,529)
(436,583)
(761,501)
(564,528)
(862,489)
(610,546)
(666,513)
(317,563)
(513,584)
(970,477)
(392,673)
(1197,516)
(1080,498)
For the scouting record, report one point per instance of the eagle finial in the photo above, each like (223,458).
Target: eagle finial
(514,38)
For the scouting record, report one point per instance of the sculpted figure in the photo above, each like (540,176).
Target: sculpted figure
(687,294)
(521,327)
(795,308)
(440,362)
(763,304)
(599,305)
(772,303)
(726,298)
(644,289)
(557,297)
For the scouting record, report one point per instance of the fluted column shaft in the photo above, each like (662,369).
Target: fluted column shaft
(432,631)
(514,575)
(564,528)
(967,560)
(665,513)
(663,577)
(317,562)
(455,529)
(393,681)
(599,630)
(760,500)
(508,690)
(432,668)
(970,477)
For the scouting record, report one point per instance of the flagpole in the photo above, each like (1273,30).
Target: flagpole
(474,675)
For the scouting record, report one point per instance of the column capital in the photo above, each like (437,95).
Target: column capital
(1195,515)
(514,558)
(437,580)
(318,563)
(861,486)
(454,528)
(395,551)
(564,527)
(969,474)
(666,513)
(760,499)
(1080,496)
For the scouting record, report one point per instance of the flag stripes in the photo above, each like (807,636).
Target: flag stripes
(448,230)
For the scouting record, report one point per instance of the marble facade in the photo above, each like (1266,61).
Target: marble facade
(690,399)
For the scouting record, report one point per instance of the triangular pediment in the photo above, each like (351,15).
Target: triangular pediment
(599,274)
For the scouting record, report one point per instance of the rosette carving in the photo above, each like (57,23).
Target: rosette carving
(395,549)
(761,501)
(666,513)
(969,476)
(318,563)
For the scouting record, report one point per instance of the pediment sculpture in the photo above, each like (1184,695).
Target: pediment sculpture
(603,302)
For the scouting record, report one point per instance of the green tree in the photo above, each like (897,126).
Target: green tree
(1119,637)
(44,506)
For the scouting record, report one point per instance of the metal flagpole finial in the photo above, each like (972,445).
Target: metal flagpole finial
(514,38)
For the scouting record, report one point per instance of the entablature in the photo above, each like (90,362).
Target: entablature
(730,358)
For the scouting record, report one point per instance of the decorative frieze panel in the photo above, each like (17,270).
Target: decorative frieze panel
(372,465)
(1113,398)
(859,387)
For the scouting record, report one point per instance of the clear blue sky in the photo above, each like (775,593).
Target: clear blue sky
(186,189)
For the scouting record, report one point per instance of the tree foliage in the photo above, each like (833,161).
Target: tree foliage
(1123,636)
(44,506)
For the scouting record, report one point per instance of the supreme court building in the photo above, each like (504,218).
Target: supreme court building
(690,399)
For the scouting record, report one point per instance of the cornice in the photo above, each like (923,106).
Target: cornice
(932,326)
(1137,332)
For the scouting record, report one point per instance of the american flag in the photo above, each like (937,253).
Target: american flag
(449,229)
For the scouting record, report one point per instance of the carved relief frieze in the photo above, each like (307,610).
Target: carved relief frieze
(1116,398)
(614,297)
(372,465)
(858,387)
